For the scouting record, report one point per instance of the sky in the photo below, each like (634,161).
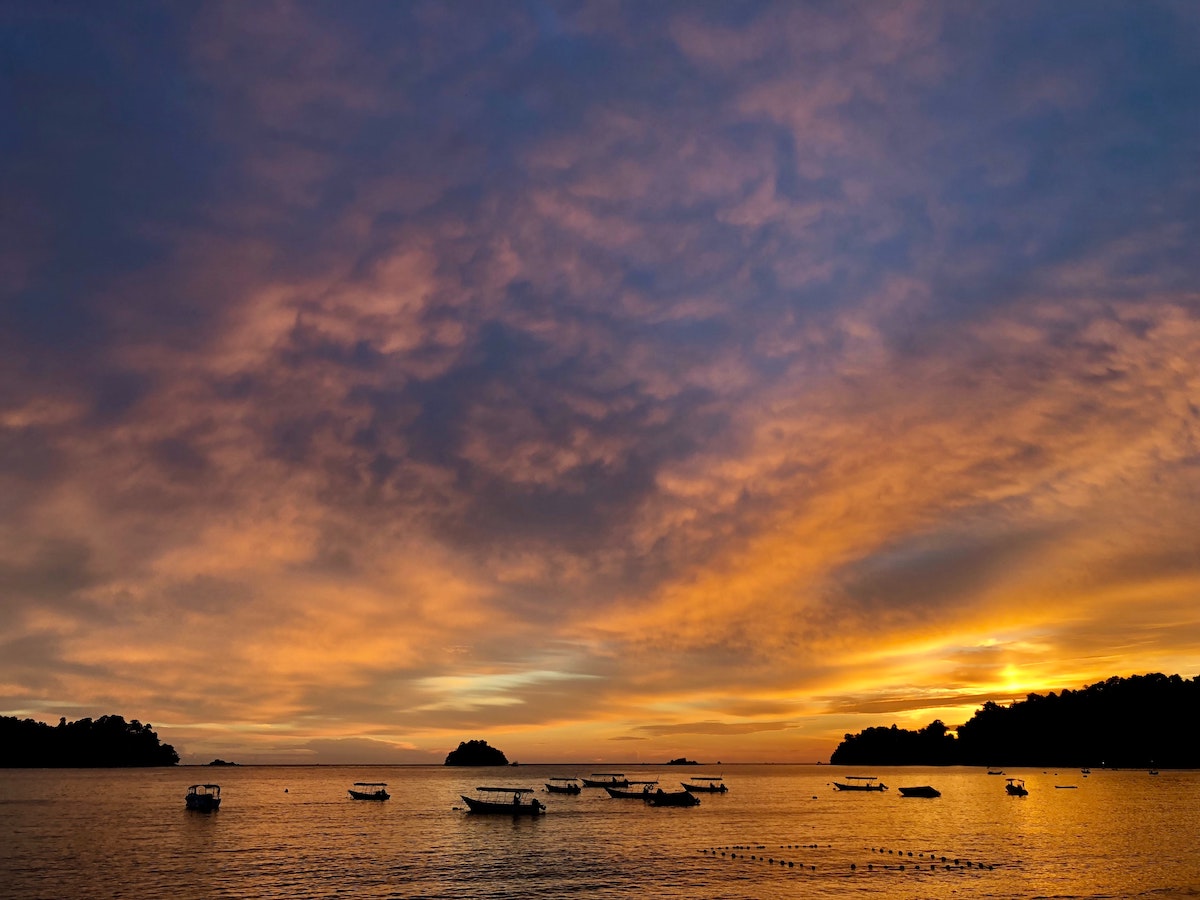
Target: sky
(608,381)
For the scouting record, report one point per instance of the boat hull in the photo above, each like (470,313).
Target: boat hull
(203,803)
(703,788)
(626,794)
(859,787)
(370,795)
(490,807)
(923,790)
(563,789)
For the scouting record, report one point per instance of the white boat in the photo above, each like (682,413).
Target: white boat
(204,797)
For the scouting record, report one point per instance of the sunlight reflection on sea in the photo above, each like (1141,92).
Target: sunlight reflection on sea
(780,831)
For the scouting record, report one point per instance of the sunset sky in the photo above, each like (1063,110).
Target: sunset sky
(608,381)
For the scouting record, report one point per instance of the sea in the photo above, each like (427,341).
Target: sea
(779,831)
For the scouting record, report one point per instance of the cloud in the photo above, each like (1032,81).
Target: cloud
(561,371)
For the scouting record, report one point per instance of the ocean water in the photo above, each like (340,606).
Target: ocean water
(780,831)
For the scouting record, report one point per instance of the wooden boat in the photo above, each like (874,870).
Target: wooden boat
(706,784)
(204,797)
(860,783)
(606,779)
(513,807)
(633,792)
(922,790)
(672,798)
(995,772)
(563,786)
(1016,787)
(370,790)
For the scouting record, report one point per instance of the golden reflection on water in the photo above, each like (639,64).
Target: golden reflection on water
(780,831)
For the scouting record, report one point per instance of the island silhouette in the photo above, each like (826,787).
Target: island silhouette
(476,753)
(109,741)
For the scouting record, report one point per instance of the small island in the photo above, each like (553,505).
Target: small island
(682,761)
(476,753)
(221,762)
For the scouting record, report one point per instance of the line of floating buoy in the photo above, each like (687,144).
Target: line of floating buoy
(931,860)
(948,862)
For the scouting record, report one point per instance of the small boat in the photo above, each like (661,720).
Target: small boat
(1066,787)
(1085,771)
(860,783)
(672,798)
(706,784)
(606,779)
(514,807)
(995,772)
(1016,787)
(204,797)
(633,792)
(563,786)
(370,790)
(922,790)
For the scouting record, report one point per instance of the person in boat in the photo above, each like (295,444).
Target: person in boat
(516,799)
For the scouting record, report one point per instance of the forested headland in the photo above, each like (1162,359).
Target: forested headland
(109,741)
(1139,721)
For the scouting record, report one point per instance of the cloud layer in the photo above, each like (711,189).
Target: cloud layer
(603,381)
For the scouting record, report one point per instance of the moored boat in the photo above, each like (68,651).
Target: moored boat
(637,790)
(514,807)
(921,790)
(1016,787)
(606,779)
(672,798)
(563,786)
(860,783)
(369,790)
(204,797)
(706,784)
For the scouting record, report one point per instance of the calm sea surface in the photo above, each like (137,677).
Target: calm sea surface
(781,831)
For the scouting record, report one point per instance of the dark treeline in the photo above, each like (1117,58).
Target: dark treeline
(107,741)
(1140,721)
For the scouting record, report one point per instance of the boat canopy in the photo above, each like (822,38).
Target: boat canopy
(715,778)
(862,777)
(370,784)
(564,779)
(608,774)
(207,787)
